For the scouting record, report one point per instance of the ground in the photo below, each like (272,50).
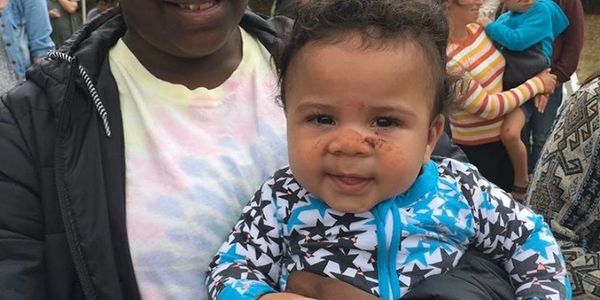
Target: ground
(590,58)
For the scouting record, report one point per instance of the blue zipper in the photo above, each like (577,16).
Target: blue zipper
(389,284)
(394,248)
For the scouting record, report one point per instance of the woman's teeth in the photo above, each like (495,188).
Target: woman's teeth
(199,6)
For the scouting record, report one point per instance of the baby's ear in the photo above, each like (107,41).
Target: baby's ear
(435,131)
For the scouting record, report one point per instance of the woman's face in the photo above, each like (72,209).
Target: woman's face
(183,28)
(464,11)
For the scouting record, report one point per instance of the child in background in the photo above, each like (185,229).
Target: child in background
(526,38)
(364,88)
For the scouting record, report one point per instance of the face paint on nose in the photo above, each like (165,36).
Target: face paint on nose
(349,142)
(378,143)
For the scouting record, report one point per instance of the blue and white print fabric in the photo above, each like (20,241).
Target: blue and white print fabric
(423,232)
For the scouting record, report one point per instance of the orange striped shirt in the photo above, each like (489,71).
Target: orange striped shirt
(481,102)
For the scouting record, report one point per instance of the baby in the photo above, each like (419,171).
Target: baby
(364,88)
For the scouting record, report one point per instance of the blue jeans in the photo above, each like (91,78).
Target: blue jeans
(540,125)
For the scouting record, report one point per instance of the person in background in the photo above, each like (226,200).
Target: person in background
(525,38)
(565,58)
(565,186)
(65,18)
(24,38)
(100,7)
(477,121)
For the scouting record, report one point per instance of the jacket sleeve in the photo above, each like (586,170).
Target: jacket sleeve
(248,264)
(38,27)
(518,238)
(527,34)
(476,100)
(22,267)
(446,148)
(565,62)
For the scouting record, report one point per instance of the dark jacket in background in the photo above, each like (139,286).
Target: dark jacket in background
(567,46)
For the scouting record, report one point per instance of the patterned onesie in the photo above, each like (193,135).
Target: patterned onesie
(420,233)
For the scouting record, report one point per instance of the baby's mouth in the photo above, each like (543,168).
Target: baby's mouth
(350,184)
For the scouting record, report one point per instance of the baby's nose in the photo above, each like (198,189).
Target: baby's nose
(350,142)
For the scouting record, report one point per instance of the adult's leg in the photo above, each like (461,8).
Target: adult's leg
(541,124)
(475,277)
(493,163)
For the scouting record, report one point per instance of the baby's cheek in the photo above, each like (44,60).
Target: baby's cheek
(312,151)
(393,156)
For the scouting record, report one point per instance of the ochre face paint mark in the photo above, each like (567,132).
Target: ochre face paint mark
(378,143)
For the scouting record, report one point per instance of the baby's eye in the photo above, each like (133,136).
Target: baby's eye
(386,122)
(322,120)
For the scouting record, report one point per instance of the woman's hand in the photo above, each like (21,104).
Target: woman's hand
(549,81)
(284,296)
(54,13)
(319,287)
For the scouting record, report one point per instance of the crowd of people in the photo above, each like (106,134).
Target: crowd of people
(32,28)
(128,154)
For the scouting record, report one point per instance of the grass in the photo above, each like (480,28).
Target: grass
(590,56)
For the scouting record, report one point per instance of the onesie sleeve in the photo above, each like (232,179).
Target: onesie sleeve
(517,237)
(527,34)
(248,264)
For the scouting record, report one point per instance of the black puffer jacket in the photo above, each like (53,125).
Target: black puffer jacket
(62,173)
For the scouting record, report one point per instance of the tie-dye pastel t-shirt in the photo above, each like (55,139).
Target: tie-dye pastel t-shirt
(193,160)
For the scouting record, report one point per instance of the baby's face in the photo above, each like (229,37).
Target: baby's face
(359,121)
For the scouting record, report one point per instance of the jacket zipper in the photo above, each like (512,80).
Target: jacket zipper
(65,199)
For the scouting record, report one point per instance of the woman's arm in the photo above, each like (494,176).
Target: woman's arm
(69,6)
(247,265)
(515,236)
(475,99)
(22,233)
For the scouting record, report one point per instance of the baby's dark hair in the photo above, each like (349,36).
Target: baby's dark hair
(380,23)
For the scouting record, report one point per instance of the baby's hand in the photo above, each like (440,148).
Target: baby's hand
(284,296)
(484,21)
(540,101)
(319,287)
